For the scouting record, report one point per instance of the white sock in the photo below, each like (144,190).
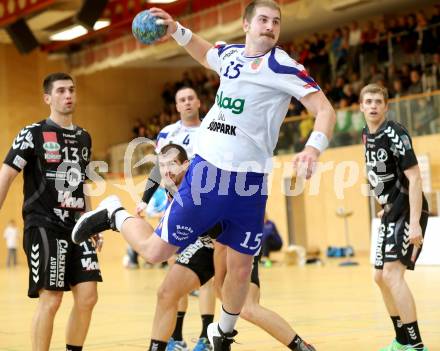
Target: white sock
(120,218)
(227,321)
(111,203)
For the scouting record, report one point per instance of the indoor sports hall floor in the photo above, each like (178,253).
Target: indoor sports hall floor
(335,308)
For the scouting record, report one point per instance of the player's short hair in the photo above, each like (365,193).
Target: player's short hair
(53,77)
(374,89)
(249,11)
(183,87)
(182,156)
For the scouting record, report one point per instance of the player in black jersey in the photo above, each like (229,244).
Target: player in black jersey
(53,155)
(394,177)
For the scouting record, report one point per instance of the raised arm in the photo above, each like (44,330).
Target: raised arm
(197,47)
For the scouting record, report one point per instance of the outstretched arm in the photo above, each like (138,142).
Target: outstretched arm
(197,47)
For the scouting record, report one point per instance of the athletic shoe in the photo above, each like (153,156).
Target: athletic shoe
(203,345)
(96,221)
(394,346)
(174,345)
(219,340)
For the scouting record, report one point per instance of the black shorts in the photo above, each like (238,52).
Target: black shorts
(393,240)
(199,257)
(56,263)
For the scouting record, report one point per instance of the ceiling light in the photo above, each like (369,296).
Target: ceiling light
(101,24)
(77,31)
(161,1)
(69,34)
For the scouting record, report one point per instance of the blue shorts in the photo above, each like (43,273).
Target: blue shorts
(209,195)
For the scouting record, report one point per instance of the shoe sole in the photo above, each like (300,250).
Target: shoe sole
(78,224)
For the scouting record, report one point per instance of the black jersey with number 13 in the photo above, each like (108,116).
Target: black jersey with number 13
(54,161)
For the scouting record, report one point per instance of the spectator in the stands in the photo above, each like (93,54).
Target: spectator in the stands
(356,83)
(391,74)
(374,74)
(434,23)
(354,46)
(382,43)
(337,91)
(350,95)
(404,75)
(431,76)
(410,36)
(142,132)
(337,50)
(396,90)
(416,83)
(369,42)
(304,53)
(343,124)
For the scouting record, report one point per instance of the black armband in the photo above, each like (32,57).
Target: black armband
(153,183)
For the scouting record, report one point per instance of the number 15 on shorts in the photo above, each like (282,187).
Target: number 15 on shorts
(248,241)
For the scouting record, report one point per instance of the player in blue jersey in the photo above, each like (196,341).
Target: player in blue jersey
(227,179)
(195,267)
(182,133)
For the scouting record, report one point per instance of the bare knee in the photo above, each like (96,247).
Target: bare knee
(240,274)
(50,302)
(378,278)
(87,302)
(166,296)
(391,277)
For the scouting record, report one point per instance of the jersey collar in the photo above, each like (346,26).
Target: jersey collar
(53,124)
(380,129)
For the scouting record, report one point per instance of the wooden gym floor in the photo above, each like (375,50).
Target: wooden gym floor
(335,308)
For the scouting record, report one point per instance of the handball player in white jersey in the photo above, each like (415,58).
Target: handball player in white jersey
(227,179)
